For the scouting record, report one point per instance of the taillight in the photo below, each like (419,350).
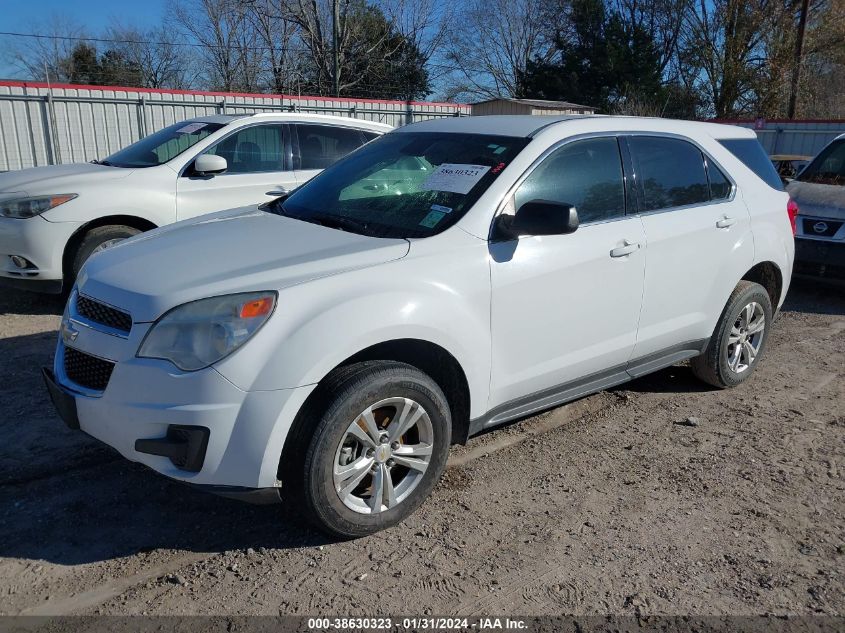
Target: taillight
(792,212)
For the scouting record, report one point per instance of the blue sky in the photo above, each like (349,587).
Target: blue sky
(94,15)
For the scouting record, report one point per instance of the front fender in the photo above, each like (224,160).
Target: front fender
(447,305)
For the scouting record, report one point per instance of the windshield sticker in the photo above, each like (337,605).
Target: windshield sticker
(454,178)
(437,207)
(190,128)
(431,220)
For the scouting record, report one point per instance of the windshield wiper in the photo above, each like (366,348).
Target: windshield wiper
(337,222)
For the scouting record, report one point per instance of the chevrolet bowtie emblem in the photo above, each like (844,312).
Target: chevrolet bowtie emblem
(69,333)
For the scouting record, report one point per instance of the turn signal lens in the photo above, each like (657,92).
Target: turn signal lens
(792,211)
(257,308)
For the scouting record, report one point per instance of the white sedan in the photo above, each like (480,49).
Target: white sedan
(52,219)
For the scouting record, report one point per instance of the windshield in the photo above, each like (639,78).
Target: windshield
(403,184)
(828,168)
(163,145)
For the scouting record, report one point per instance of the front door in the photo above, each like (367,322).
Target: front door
(565,307)
(255,156)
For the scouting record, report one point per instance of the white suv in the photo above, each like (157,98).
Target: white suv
(53,218)
(446,278)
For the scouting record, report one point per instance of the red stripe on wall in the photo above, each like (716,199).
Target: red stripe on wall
(39,84)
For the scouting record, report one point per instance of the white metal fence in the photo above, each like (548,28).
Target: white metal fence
(47,125)
(805,138)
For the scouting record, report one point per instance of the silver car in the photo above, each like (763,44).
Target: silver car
(819,191)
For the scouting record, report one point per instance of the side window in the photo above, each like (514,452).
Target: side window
(586,174)
(671,172)
(321,145)
(254,149)
(752,154)
(720,186)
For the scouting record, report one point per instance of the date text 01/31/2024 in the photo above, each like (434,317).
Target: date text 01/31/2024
(415,623)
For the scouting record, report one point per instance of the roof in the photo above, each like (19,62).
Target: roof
(527,125)
(542,103)
(498,124)
(225,119)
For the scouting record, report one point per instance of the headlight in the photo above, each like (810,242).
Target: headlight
(200,333)
(22,208)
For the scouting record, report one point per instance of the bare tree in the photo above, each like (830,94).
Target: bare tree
(492,41)
(46,58)
(224,31)
(724,41)
(157,53)
(278,35)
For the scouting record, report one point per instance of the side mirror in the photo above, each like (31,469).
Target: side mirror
(210,165)
(538,217)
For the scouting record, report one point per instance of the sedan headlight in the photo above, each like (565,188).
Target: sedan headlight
(198,334)
(22,208)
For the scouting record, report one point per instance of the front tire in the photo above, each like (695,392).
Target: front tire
(378,449)
(739,340)
(96,240)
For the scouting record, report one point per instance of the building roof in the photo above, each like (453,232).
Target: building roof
(541,103)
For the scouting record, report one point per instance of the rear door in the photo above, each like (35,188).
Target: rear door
(316,146)
(699,242)
(257,164)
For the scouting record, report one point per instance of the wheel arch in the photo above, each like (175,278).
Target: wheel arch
(136,222)
(430,358)
(768,275)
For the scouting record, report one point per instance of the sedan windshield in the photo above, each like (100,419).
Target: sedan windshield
(828,168)
(163,145)
(403,184)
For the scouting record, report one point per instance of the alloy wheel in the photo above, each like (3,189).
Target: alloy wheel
(383,455)
(746,337)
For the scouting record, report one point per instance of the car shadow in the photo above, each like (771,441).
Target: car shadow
(13,301)
(817,296)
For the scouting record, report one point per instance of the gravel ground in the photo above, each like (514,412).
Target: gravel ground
(608,505)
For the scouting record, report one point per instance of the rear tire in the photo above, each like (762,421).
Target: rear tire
(739,340)
(379,447)
(95,240)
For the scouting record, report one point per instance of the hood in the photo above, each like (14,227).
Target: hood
(824,201)
(222,253)
(56,178)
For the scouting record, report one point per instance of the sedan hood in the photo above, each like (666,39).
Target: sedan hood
(222,253)
(56,178)
(824,201)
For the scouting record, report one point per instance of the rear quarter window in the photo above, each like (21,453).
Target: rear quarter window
(753,156)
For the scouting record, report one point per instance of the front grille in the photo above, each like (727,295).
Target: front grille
(86,370)
(821,228)
(103,314)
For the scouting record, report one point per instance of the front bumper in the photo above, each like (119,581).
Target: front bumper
(42,244)
(820,258)
(195,427)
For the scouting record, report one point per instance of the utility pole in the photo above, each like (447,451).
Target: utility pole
(335,77)
(796,68)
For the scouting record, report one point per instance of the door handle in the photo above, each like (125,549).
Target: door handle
(626,249)
(725,222)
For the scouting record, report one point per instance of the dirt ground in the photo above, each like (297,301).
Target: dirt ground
(607,505)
